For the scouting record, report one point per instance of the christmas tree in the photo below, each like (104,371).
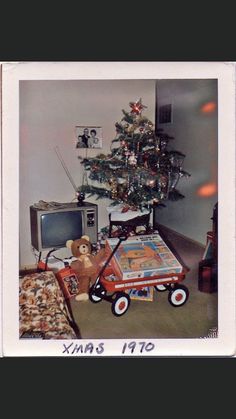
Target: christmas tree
(141,170)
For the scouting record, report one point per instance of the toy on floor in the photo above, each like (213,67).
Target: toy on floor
(86,265)
(117,279)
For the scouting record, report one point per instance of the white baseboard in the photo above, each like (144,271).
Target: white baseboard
(182,236)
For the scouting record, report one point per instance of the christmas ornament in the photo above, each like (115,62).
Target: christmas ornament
(113,188)
(113,166)
(131,129)
(147,147)
(125,208)
(132,159)
(126,128)
(121,180)
(127,154)
(151,182)
(163,145)
(137,107)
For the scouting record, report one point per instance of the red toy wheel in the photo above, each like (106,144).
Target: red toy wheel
(120,304)
(161,288)
(96,294)
(178,296)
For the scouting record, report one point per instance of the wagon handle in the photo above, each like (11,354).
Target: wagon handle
(121,239)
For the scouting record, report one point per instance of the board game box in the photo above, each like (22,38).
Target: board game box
(142,256)
(144,294)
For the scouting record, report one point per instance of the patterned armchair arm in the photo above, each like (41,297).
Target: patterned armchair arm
(43,311)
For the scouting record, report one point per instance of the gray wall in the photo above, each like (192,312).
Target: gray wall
(196,135)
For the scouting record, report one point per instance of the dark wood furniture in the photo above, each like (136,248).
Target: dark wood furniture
(208,266)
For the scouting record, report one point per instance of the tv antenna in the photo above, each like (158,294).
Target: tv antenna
(58,153)
(80,195)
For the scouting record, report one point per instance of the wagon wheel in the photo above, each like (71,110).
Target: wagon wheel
(161,287)
(120,304)
(97,293)
(178,296)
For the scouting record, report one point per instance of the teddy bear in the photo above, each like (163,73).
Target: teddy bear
(86,265)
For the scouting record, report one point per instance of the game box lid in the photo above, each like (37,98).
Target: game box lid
(142,256)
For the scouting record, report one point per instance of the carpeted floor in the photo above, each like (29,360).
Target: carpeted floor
(156,319)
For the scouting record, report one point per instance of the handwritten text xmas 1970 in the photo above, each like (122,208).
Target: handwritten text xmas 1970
(90,348)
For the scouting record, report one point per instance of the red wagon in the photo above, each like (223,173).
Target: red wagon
(108,286)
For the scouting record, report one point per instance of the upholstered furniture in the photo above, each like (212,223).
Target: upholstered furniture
(43,311)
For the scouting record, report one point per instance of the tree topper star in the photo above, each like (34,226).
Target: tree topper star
(137,107)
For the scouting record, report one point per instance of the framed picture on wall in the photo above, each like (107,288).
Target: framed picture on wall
(165,114)
(88,136)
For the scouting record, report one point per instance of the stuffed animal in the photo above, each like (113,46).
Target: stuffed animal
(87,265)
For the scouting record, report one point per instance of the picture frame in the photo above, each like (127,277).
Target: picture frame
(165,114)
(88,136)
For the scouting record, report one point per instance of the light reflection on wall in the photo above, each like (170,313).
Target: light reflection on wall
(208,107)
(207,190)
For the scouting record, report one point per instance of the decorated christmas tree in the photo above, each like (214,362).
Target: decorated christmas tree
(141,170)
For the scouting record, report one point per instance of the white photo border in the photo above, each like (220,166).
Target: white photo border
(224,72)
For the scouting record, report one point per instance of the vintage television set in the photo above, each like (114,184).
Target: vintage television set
(51,228)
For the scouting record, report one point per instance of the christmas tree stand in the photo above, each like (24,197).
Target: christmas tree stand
(129,221)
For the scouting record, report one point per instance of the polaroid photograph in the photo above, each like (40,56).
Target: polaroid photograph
(65,290)
(88,137)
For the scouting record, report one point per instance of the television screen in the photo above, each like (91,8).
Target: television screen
(58,227)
